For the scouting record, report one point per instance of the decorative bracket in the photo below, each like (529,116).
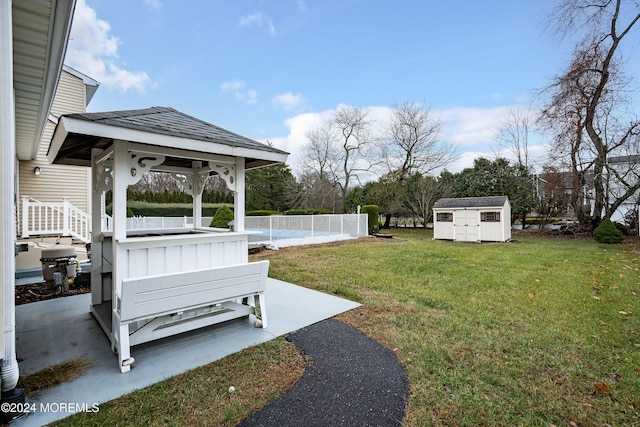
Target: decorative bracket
(186,181)
(104,175)
(202,178)
(142,163)
(227,172)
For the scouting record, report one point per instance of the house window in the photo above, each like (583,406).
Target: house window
(445,217)
(490,217)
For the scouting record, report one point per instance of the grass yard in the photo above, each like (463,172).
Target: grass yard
(535,333)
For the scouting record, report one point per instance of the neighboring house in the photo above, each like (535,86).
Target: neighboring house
(472,219)
(52,183)
(33,40)
(628,170)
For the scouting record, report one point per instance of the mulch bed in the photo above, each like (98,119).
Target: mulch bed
(38,291)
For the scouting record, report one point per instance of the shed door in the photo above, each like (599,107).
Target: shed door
(466,225)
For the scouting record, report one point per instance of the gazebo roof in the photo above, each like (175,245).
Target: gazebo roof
(471,202)
(77,134)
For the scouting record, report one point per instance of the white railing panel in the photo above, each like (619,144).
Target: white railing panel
(40,218)
(46,218)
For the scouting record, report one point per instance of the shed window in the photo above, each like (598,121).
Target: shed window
(445,217)
(490,217)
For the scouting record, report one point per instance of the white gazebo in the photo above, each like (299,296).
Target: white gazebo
(151,284)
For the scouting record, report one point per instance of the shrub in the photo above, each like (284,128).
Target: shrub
(313,211)
(262,212)
(319,211)
(296,212)
(374,212)
(607,232)
(223,216)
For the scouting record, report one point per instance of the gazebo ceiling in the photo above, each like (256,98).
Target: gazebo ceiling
(77,134)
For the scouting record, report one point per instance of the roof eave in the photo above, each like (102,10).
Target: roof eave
(70,125)
(31,126)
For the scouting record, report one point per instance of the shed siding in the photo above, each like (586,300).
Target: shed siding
(442,230)
(57,181)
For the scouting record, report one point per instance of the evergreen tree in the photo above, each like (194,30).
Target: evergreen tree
(267,188)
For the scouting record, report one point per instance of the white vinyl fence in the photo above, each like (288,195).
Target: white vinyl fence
(40,218)
(310,228)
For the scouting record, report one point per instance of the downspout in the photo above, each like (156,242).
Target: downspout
(9,369)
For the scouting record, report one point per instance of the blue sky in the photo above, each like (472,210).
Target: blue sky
(272,70)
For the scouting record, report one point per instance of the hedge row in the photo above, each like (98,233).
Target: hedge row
(164,211)
(137,208)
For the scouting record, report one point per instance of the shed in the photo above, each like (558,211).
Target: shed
(472,219)
(153,284)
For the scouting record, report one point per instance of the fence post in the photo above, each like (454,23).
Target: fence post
(25,217)
(65,216)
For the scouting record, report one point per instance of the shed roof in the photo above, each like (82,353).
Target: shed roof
(77,134)
(471,202)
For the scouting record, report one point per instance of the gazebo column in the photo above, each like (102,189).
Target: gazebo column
(121,170)
(238,196)
(97,190)
(196,193)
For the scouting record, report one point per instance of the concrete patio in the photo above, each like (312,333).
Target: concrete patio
(51,332)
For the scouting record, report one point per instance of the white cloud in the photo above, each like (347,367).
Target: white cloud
(288,101)
(249,96)
(272,28)
(255,18)
(93,50)
(154,4)
(232,86)
(472,126)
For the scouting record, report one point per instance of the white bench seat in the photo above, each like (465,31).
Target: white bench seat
(153,307)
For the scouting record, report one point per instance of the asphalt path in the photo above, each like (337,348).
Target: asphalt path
(352,380)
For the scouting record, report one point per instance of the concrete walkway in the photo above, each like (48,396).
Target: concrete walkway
(51,332)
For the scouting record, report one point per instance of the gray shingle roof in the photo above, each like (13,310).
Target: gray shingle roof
(472,202)
(168,121)
(76,147)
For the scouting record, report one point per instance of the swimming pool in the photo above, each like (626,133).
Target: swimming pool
(293,237)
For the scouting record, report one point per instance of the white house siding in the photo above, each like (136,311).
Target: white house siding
(58,181)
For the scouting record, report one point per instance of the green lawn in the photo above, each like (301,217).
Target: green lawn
(535,333)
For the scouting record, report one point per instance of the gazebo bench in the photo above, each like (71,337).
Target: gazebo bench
(153,307)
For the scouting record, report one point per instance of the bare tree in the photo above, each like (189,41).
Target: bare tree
(413,141)
(353,129)
(321,151)
(320,160)
(338,151)
(588,100)
(514,134)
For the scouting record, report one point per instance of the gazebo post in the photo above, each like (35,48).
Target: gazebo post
(96,229)
(121,168)
(196,193)
(238,199)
